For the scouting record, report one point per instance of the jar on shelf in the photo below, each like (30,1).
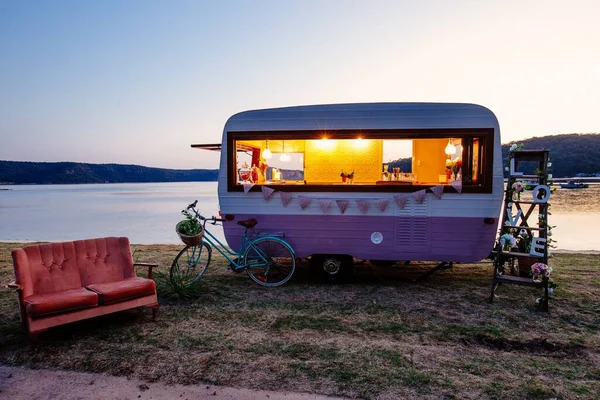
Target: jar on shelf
(245,173)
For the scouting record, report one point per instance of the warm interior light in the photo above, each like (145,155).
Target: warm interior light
(359,143)
(266,154)
(450,148)
(284,156)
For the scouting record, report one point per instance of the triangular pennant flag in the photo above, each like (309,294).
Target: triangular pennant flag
(457,185)
(324,204)
(286,197)
(304,201)
(247,186)
(438,191)
(267,192)
(401,200)
(363,205)
(342,205)
(420,196)
(382,204)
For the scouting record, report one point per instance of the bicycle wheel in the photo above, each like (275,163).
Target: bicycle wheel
(190,264)
(269,261)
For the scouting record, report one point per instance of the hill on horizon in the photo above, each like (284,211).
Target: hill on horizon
(572,154)
(25,172)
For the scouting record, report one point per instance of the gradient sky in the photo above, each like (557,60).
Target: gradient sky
(136,82)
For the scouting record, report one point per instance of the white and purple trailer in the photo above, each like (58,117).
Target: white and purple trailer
(376,181)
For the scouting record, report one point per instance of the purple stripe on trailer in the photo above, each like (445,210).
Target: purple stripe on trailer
(456,239)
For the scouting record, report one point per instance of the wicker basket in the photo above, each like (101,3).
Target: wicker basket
(189,240)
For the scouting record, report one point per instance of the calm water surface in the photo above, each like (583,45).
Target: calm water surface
(147,213)
(144,212)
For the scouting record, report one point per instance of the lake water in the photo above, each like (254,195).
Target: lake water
(147,213)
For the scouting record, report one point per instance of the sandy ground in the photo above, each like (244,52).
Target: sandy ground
(20,383)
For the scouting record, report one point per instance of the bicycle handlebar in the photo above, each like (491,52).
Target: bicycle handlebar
(213,219)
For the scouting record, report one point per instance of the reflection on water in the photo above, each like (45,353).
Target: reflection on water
(147,212)
(144,212)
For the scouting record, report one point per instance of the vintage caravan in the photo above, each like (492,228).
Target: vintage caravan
(322,175)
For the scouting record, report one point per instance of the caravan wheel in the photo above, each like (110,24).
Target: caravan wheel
(331,268)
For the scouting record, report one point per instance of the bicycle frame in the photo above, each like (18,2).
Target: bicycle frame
(235,258)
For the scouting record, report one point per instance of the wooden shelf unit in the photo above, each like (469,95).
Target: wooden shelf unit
(504,260)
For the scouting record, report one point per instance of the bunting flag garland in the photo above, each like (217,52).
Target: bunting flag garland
(286,197)
(420,196)
(401,200)
(363,205)
(247,186)
(267,192)
(342,205)
(457,185)
(438,191)
(381,204)
(324,204)
(304,201)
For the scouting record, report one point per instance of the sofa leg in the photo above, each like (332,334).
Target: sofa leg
(154,312)
(33,342)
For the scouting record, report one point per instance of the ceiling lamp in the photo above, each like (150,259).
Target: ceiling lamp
(284,156)
(450,148)
(266,154)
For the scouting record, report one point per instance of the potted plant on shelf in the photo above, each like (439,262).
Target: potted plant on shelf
(524,246)
(189,230)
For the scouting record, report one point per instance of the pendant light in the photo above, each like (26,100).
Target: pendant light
(450,148)
(266,154)
(284,157)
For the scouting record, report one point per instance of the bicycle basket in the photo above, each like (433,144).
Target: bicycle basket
(189,240)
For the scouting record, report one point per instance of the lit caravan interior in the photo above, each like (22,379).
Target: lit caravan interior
(356,161)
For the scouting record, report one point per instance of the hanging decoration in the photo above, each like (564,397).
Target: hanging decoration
(304,201)
(286,197)
(401,200)
(324,204)
(363,205)
(342,205)
(457,185)
(438,191)
(267,192)
(247,186)
(420,196)
(382,204)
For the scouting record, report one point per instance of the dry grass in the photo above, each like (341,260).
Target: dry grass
(381,336)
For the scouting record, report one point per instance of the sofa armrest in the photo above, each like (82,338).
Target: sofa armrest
(149,265)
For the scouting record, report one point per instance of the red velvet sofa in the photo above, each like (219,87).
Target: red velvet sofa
(59,283)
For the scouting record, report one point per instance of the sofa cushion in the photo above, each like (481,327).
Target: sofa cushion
(129,288)
(39,305)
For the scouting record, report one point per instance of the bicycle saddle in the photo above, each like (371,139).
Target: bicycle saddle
(248,223)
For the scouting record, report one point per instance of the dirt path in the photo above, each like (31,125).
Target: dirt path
(20,383)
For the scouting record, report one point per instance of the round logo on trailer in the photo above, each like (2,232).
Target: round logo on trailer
(376,237)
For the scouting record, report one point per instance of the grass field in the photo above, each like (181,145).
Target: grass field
(380,336)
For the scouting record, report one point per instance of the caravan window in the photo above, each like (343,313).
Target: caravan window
(384,161)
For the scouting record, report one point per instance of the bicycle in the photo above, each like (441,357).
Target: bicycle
(267,258)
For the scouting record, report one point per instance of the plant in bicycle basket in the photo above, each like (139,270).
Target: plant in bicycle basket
(190,225)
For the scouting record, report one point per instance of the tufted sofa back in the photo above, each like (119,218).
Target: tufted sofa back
(53,267)
(46,268)
(104,260)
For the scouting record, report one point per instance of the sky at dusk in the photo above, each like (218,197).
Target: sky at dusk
(137,82)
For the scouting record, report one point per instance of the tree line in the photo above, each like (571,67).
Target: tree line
(21,172)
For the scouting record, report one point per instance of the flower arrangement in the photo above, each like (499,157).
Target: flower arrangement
(517,188)
(345,176)
(507,241)
(454,166)
(540,270)
(516,147)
